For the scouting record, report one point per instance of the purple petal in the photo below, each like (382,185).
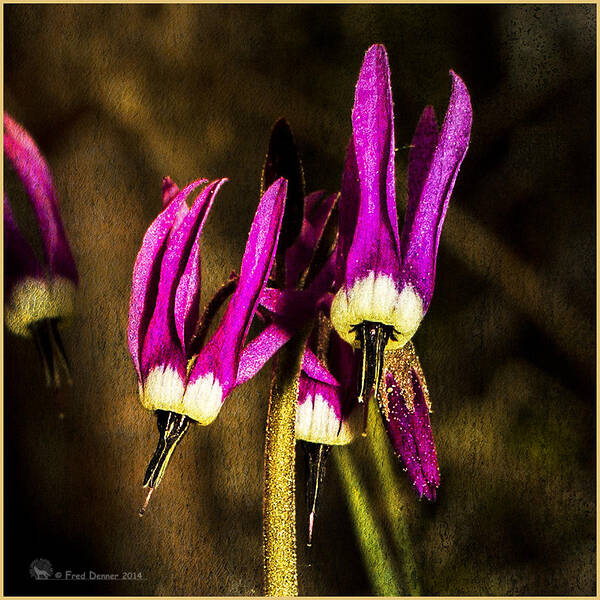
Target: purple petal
(424,435)
(419,162)
(348,211)
(409,430)
(373,133)
(291,305)
(146,274)
(328,412)
(178,287)
(426,211)
(325,414)
(187,296)
(219,359)
(34,172)
(19,259)
(260,350)
(317,209)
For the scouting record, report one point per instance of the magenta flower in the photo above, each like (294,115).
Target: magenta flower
(38,297)
(182,383)
(385,280)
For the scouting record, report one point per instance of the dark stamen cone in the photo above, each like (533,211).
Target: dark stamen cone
(372,338)
(44,348)
(52,352)
(171,428)
(59,353)
(315,455)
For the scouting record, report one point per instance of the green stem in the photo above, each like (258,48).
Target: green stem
(279,505)
(378,562)
(386,470)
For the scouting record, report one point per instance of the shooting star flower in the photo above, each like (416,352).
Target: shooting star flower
(385,280)
(178,380)
(38,297)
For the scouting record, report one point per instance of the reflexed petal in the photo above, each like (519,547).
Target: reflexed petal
(19,259)
(164,341)
(34,172)
(266,344)
(368,259)
(348,211)
(426,212)
(405,409)
(260,350)
(29,297)
(419,162)
(187,296)
(146,275)
(218,361)
(328,413)
(373,133)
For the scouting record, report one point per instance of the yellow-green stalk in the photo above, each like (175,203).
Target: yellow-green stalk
(386,473)
(378,561)
(279,504)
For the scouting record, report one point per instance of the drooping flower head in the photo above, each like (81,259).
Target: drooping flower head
(386,280)
(181,382)
(38,296)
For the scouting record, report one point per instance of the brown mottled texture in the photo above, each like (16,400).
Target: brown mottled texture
(119,96)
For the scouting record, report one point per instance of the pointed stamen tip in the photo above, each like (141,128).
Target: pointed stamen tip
(145,505)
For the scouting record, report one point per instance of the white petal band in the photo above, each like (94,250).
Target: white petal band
(164,390)
(317,422)
(377,299)
(33,300)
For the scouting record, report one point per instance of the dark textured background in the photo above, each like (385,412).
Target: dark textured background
(118,96)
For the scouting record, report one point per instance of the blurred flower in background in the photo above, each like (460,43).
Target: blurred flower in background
(38,297)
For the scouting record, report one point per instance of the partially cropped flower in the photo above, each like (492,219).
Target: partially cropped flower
(385,279)
(180,381)
(38,296)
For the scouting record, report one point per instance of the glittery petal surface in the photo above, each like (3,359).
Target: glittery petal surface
(19,258)
(164,341)
(325,408)
(422,231)
(348,211)
(34,172)
(373,133)
(260,350)
(424,435)
(411,437)
(221,355)
(419,162)
(146,275)
(187,296)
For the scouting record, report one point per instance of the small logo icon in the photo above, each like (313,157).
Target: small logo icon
(40,568)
